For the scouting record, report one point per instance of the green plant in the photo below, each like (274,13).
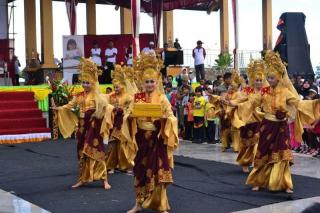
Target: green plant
(223,61)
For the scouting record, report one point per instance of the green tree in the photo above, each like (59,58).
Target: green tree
(223,61)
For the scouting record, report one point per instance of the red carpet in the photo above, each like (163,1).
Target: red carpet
(20,118)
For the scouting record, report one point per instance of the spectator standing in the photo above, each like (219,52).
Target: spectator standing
(182,75)
(163,57)
(96,54)
(111,58)
(17,65)
(225,85)
(168,91)
(169,79)
(198,116)
(177,45)
(306,86)
(188,118)
(129,55)
(149,49)
(199,55)
(210,116)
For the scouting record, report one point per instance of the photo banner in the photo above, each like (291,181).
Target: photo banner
(73,50)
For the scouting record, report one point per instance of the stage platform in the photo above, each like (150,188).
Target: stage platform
(41,92)
(42,173)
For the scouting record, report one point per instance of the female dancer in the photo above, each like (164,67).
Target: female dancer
(156,139)
(249,134)
(277,101)
(121,148)
(230,123)
(91,126)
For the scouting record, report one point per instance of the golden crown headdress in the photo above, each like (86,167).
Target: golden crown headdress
(256,70)
(118,75)
(88,70)
(125,76)
(147,66)
(236,79)
(275,66)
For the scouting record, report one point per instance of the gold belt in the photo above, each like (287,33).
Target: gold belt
(272,117)
(145,125)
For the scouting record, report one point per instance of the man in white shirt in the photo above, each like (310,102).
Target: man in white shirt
(149,49)
(111,58)
(199,54)
(96,54)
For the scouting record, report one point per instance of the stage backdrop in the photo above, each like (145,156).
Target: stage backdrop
(75,47)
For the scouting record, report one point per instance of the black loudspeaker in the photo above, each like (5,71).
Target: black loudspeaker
(173,58)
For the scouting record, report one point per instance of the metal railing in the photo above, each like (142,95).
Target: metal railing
(212,55)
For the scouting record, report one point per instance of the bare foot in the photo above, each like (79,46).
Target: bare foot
(129,172)
(164,212)
(223,149)
(106,185)
(255,189)
(135,209)
(289,191)
(111,171)
(245,169)
(80,183)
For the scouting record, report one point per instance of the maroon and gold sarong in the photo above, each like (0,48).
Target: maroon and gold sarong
(152,171)
(273,158)
(115,154)
(225,131)
(249,137)
(90,148)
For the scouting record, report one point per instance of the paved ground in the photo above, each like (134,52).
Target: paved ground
(206,180)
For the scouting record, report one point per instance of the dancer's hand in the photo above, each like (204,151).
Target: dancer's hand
(54,108)
(53,104)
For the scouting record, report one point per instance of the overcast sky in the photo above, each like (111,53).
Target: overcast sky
(189,26)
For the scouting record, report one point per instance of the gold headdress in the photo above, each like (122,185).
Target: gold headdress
(236,79)
(256,70)
(148,66)
(275,66)
(124,76)
(118,75)
(88,70)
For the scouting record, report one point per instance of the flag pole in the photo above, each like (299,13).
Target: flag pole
(236,33)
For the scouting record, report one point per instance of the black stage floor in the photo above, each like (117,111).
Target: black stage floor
(42,173)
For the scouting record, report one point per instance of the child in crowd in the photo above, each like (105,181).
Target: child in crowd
(171,96)
(198,115)
(311,132)
(211,115)
(168,91)
(108,90)
(184,103)
(188,118)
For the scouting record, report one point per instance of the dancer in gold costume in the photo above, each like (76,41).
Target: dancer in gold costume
(156,137)
(229,123)
(121,148)
(92,125)
(249,134)
(278,102)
